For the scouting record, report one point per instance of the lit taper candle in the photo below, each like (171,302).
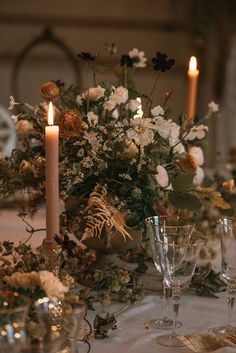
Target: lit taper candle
(52,176)
(193,73)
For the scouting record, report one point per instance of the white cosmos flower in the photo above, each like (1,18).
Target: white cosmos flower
(12,103)
(199,176)
(169,130)
(120,95)
(138,57)
(197,132)
(162,177)
(162,126)
(197,154)
(213,107)
(141,132)
(92,118)
(158,110)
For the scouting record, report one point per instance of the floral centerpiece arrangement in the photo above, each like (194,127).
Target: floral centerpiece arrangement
(122,158)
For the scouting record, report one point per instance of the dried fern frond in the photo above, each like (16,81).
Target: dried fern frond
(100,214)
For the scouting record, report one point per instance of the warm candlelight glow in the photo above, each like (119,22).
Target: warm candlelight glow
(192,63)
(50,114)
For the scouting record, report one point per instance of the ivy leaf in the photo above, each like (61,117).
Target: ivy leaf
(133,219)
(183,182)
(185,200)
(103,325)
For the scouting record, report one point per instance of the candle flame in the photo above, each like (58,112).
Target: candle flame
(192,63)
(50,114)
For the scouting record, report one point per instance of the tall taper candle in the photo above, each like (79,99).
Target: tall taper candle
(193,73)
(52,176)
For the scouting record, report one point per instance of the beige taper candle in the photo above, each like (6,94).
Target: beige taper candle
(192,88)
(52,177)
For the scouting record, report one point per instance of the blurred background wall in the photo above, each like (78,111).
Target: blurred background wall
(180,28)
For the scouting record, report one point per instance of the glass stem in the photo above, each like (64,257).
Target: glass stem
(166,300)
(231,292)
(176,292)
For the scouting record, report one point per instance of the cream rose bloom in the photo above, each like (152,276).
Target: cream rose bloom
(120,95)
(94,93)
(162,177)
(92,118)
(133,105)
(23,127)
(199,176)
(109,105)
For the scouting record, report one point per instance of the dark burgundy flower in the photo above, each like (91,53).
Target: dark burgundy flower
(66,244)
(85,56)
(126,60)
(162,63)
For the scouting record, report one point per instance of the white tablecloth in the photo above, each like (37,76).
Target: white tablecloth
(133,334)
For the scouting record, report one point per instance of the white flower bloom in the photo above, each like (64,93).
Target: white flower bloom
(94,93)
(179,147)
(87,162)
(162,126)
(92,118)
(162,176)
(93,140)
(138,57)
(109,105)
(115,114)
(174,132)
(46,280)
(197,132)
(79,99)
(120,95)
(158,110)
(14,118)
(52,285)
(12,103)
(141,132)
(197,154)
(213,107)
(199,176)
(169,130)
(133,104)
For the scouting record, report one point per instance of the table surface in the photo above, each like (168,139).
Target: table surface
(133,334)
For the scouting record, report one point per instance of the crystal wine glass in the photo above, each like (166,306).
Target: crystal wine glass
(13,313)
(155,226)
(177,257)
(227,228)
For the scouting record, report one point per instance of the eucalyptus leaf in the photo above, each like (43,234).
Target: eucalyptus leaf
(183,182)
(185,200)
